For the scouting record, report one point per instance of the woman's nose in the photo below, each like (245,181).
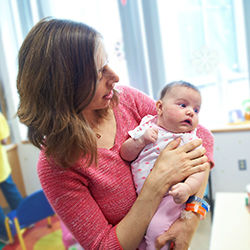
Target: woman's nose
(112,77)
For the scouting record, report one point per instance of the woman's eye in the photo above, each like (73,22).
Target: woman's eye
(99,75)
(102,72)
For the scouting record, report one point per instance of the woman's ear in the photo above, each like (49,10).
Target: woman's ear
(158,105)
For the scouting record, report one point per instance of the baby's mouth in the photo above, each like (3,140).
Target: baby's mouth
(188,121)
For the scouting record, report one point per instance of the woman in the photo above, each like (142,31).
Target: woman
(78,119)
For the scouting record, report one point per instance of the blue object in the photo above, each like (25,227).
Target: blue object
(235,116)
(32,209)
(13,197)
(204,204)
(206,194)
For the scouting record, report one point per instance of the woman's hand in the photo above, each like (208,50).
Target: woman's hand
(175,164)
(184,229)
(172,166)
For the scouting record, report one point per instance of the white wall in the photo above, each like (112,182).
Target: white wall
(226,176)
(229,148)
(28,156)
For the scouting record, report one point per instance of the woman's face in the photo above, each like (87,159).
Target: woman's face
(105,82)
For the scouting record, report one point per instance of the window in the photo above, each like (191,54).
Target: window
(19,17)
(149,44)
(203,42)
(102,16)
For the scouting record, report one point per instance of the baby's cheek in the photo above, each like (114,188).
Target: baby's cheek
(172,114)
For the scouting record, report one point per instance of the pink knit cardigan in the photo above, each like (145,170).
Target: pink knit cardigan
(91,201)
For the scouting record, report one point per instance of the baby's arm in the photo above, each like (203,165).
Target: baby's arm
(183,190)
(131,148)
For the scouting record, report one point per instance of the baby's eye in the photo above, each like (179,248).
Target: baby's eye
(196,110)
(182,105)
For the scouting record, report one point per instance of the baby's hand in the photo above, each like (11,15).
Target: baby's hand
(150,135)
(180,192)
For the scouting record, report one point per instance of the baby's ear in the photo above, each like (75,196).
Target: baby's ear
(158,105)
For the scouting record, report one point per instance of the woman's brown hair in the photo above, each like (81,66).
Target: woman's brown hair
(56,80)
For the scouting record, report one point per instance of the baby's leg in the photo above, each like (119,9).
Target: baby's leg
(168,211)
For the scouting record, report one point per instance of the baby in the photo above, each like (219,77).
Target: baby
(178,109)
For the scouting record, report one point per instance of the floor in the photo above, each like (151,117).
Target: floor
(201,238)
(40,237)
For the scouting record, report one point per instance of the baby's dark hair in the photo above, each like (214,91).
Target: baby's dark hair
(181,83)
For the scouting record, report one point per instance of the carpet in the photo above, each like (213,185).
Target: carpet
(40,237)
(1,246)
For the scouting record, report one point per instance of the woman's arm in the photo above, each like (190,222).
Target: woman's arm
(73,197)
(173,165)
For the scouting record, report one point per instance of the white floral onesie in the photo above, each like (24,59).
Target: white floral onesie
(143,164)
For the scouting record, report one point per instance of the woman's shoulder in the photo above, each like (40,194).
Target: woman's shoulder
(207,141)
(120,88)
(203,132)
(45,166)
(129,90)
(131,95)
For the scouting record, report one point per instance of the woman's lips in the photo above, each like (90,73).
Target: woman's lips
(109,96)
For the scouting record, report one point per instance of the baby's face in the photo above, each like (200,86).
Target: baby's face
(178,110)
